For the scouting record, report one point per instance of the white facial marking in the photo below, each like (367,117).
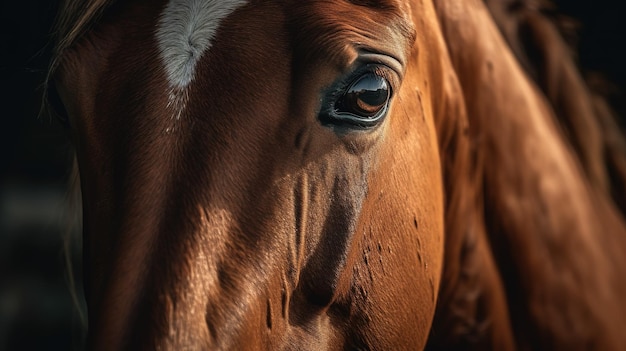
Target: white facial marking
(185,31)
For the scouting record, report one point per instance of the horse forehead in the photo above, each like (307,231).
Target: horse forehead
(186,29)
(328,27)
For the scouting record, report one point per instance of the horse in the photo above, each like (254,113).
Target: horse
(341,175)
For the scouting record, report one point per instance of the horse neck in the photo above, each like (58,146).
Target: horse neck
(546,218)
(586,120)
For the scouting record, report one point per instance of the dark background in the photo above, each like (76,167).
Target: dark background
(36,308)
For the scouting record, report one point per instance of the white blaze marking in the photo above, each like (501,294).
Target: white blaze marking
(185,31)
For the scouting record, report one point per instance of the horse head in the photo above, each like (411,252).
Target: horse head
(259,173)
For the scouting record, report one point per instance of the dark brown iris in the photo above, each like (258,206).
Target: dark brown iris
(366,97)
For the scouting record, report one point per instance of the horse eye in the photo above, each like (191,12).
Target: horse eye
(357,102)
(365,98)
(57,107)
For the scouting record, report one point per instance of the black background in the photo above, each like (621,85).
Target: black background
(35,303)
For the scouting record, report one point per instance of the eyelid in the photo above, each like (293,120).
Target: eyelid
(366,56)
